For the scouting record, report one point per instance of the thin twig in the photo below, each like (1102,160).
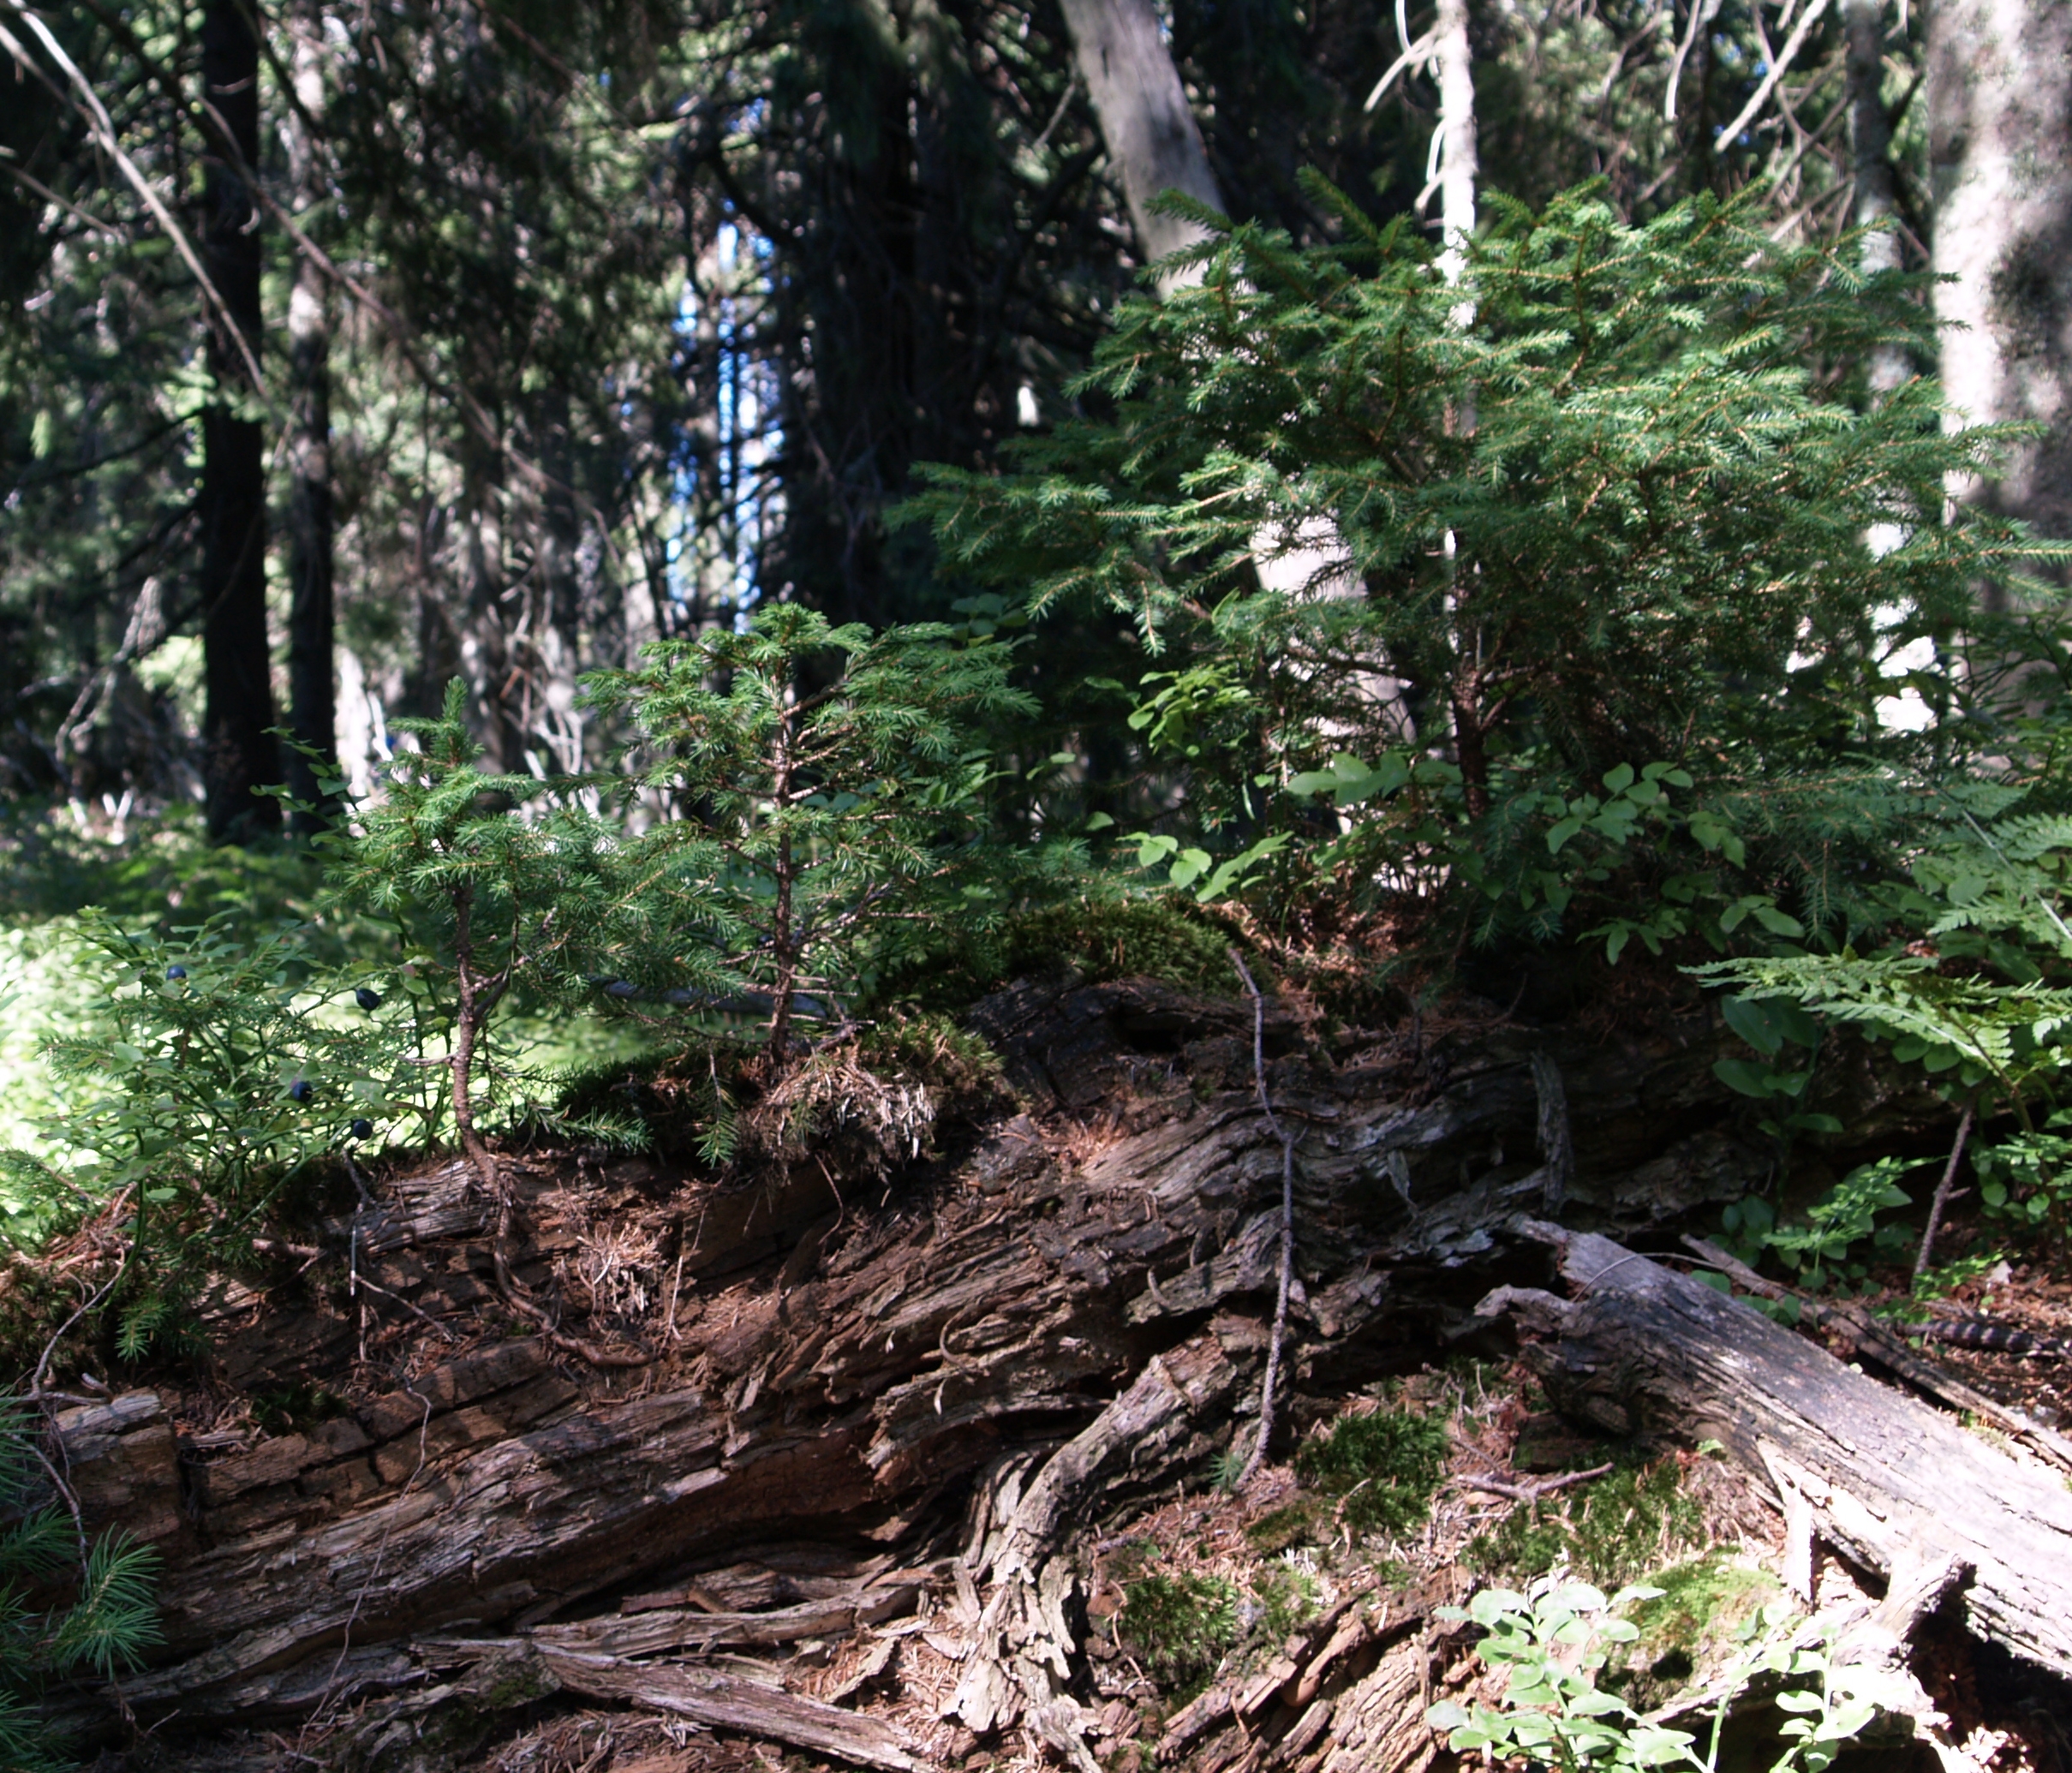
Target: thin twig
(1778,69)
(1287,1221)
(1942,1192)
(102,129)
(1533,1492)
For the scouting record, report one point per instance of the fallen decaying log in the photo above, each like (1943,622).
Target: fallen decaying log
(1896,1486)
(939,1390)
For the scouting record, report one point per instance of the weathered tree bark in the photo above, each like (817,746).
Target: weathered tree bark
(850,1371)
(2000,155)
(239,756)
(1154,142)
(312,717)
(1889,1482)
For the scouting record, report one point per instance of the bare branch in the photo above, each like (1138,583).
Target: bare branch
(102,126)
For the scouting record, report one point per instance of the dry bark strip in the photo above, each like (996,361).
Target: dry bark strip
(448,1678)
(726,1702)
(651,1633)
(1890,1482)
(1866,1336)
(1019,1662)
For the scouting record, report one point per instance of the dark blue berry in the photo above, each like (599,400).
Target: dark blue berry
(175,972)
(363,1129)
(368,1000)
(300,1090)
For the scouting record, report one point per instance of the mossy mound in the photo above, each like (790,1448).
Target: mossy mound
(1383,1467)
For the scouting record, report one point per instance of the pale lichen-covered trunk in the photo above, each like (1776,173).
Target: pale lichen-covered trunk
(1153,139)
(1154,144)
(1454,144)
(2000,153)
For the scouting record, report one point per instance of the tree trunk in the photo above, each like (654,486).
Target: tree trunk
(311,623)
(847,1368)
(1154,142)
(239,755)
(1871,154)
(2000,155)
(1888,1482)
(1455,146)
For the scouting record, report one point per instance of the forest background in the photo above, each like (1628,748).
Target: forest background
(548,549)
(1680,592)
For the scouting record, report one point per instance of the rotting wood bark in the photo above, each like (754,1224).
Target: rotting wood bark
(1886,1481)
(854,1375)
(1867,1337)
(1017,1663)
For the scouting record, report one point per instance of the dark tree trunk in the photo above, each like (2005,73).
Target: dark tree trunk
(239,754)
(310,619)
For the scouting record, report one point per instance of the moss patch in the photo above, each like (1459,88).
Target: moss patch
(1304,1522)
(1626,1522)
(1385,1467)
(1287,1599)
(1693,1627)
(1179,1626)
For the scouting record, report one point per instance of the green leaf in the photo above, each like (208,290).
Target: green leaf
(1756,1021)
(1741,1076)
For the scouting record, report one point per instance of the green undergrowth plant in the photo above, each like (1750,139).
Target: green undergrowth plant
(1099,933)
(1969,989)
(68,1605)
(503,886)
(1382,1469)
(162,870)
(1608,662)
(1833,1248)
(1553,1641)
(825,793)
(208,1100)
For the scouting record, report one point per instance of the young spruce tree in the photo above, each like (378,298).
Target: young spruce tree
(824,786)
